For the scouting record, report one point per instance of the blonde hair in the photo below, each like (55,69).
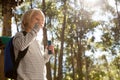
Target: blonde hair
(27,16)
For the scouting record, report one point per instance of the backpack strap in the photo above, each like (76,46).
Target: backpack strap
(21,55)
(24,33)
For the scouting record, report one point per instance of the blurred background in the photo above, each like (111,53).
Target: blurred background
(86,35)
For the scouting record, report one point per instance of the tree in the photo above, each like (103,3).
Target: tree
(60,73)
(83,25)
(72,28)
(49,76)
(107,67)
(7,6)
(116,64)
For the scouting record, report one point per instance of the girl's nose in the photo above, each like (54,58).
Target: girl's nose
(42,22)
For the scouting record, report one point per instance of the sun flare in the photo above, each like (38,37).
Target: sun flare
(90,3)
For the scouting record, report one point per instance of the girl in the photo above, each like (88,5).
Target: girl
(32,66)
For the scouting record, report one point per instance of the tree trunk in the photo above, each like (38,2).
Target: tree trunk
(55,63)
(78,41)
(2,65)
(86,66)
(60,66)
(72,57)
(117,28)
(7,15)
(49,76)
(118,14)
(79,51)
(79,61)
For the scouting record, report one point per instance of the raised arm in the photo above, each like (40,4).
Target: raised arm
(21,42)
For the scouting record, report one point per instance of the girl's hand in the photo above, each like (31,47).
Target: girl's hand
(51,47)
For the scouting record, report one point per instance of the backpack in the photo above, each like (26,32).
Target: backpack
(10,64)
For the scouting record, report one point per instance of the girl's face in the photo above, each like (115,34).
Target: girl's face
(37,18)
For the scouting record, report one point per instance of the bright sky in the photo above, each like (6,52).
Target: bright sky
(96,5)
(92,4)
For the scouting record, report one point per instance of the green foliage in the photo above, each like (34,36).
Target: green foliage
(79,23)
(97,75)
(116,62)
